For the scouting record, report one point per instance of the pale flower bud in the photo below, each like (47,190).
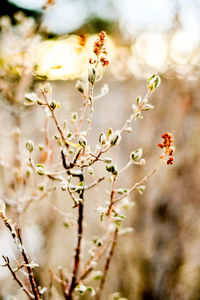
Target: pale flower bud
(102,138)
(83,141)
(148,107)
(29,146)
(92,76)
(153,82)
(115,138)
(31,97)
(80,86)
(141,189)
(136,155)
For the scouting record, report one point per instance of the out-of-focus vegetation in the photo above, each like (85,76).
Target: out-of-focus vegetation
(160,259)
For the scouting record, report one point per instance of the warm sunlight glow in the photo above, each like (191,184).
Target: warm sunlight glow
(183,45)
(61,59)
(151,48)
(67,58)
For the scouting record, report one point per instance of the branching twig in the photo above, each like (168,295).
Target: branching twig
(18,240)
(15,277)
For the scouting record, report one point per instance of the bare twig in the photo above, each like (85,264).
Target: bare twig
(18,240)
(94,183)
(112,193)
(29,268)
(78,246)
(15,277)
(55,119)
(107,265)
(137,184)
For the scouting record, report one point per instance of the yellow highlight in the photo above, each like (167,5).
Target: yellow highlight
(61,59)
(67,58)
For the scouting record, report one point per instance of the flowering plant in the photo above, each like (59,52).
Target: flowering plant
(76,163)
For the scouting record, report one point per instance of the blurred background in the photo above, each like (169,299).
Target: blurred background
(52,40)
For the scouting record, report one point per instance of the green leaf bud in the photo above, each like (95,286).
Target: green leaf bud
(83,141)
(115,138)
(102,138)
(92,76)
(153,82)
(80,86)
(141,189)
(136,155)
(148,107)
(112,169)
(29,146)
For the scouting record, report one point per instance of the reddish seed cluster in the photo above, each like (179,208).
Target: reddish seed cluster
(99,48)
(104,61)
(167,146)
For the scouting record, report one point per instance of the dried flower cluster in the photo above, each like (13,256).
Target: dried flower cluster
(167,147)
(99,48)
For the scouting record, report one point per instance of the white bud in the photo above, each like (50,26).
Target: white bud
(136,155)
(41,147)
(90,170)
(121,191)
(80,86)
(107,160)
(53,105)
(139,100)
(40,169)
(115,138)
(81,289)
(129,129)
(148,107)
(31,97)
(141,189)
(29,146)
(74,116)
(142,161)
(83,141)
(47,88)
(102,138)
(97,275)
(153,82)
(92,76)
(40,102)
(112,169)
(100,210)
(64,187)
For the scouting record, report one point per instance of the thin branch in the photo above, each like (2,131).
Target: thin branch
(15,277)
(29,269)
(107,265)
(137,184)
(88,269)
(112,193)
(18,240)
(55,120)
(63,283)
(78,246)
(94,183)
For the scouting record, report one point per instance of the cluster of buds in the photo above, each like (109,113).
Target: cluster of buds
(167,147)
(99,48)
